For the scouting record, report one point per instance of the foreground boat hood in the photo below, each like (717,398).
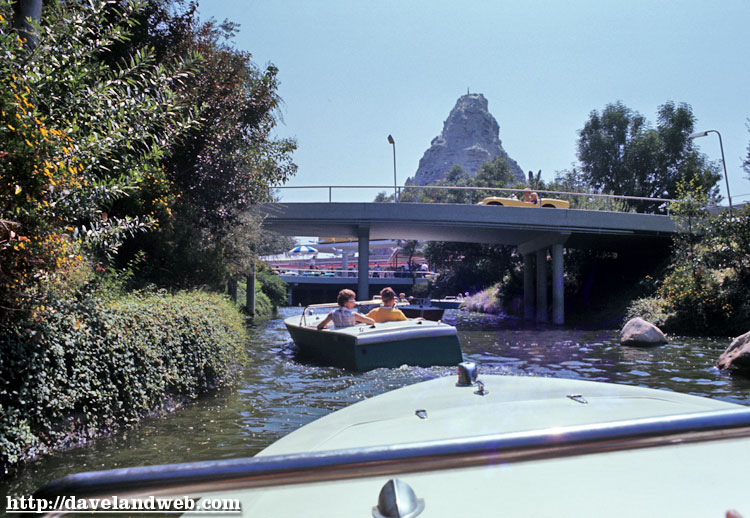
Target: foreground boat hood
(512,404)
(670,480)
(514,447)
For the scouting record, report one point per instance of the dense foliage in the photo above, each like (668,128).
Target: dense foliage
(495,174)
(131,136)
(130,117)
(705,289)
(81,366)
(76,138)
(620,152)
(224,164)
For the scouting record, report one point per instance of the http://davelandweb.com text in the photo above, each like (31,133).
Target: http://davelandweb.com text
(184,504)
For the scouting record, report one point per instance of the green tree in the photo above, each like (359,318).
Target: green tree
(410,248)
(704,289)
(619,152)
(78,137)
(455,177)
(225,164)
(495,174)
(471,266)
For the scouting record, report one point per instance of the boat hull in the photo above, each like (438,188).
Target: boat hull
(427,312)
(446,303)
(386,344)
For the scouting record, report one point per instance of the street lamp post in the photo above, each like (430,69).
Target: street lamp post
(699,134)
(395,183)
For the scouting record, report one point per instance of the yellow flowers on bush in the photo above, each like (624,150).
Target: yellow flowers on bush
(80,144)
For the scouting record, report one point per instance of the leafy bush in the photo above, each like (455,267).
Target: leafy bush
(263,305)
(653,309)
(76,137)
(485,301)
(272,286)
(79,367)
(704,290)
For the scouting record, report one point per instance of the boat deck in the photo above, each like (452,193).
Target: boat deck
(516,447)
(681,479)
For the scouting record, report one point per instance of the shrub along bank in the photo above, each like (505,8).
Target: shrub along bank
(78,368)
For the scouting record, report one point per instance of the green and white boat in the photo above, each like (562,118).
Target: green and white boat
(449,302)
(365,347)
(508,446)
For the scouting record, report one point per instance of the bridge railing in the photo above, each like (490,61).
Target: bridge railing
(591,201)
(351,272)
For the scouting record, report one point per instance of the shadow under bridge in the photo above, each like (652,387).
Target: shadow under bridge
(536,232)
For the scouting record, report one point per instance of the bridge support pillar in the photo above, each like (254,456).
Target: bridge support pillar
(250,291)
(541,285)
(539,246)
(363,263)
(289,292)
(558,285)
(528,287)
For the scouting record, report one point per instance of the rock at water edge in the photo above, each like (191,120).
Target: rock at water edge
(736,358)
(641,333)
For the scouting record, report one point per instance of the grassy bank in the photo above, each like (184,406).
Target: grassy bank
(79,368)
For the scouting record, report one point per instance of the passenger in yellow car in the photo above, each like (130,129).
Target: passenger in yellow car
(387,312)
(530,196)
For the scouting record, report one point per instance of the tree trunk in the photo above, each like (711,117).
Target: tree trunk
(23,12)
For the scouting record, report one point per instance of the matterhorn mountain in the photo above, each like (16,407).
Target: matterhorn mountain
(470,137)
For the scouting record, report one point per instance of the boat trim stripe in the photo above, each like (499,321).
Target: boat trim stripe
(198,478)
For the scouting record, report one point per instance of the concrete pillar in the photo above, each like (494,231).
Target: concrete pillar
(232,289)
(363,263)
(289,296)
(345,262)
(558,285)
(250,291)
(528,287)
(541,285)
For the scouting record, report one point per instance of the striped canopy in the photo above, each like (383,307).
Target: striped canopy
(303,249)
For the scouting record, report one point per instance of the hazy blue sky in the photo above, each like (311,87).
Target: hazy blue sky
(353,72)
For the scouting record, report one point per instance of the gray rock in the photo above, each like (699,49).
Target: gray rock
(641,333)
(470,137)
(736,358)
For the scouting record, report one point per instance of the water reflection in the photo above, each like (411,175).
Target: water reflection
(277,394)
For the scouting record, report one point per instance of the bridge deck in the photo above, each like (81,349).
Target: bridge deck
(471,223)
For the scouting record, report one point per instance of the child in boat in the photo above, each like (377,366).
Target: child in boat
(387,312)
(343,316)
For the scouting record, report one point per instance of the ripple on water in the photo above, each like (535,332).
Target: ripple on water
(278,394)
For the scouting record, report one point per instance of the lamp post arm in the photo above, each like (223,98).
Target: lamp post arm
(395,182)
(724,164)
(723,161)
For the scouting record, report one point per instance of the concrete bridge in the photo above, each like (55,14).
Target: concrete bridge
(536,232)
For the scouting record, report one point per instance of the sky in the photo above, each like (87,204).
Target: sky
(353,72)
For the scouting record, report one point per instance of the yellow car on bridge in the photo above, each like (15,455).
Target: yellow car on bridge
(514,202)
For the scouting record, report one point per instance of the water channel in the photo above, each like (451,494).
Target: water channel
(277,393)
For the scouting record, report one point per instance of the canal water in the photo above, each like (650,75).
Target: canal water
(277,393)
